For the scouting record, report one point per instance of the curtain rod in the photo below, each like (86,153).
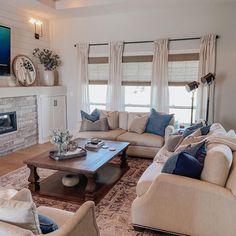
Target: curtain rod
(147,41)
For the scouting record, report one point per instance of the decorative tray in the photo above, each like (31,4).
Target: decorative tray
(79,152)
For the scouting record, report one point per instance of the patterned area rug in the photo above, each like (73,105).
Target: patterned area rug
(113,211)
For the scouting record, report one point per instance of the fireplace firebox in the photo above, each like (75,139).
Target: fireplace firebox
(8,122)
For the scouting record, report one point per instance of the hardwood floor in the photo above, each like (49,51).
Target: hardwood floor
(13,161)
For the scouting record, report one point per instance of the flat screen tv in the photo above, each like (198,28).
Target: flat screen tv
(5,50)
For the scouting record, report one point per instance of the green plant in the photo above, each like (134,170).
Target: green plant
(47,58)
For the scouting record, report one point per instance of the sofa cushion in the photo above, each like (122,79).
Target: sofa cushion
(145,139)
(92,117)
(123,120)
(57,215)
(47,225)
(99,125)
(173,142)
(134,115)
(183,164)
(20,213)
(149,175)
(190,130)
(157,123)
(231,182)
(217,164)
(109,135)
(112,118)
(138,124)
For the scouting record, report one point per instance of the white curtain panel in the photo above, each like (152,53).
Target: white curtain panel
(114,89)
(83,81)
(207,61)
(159,83)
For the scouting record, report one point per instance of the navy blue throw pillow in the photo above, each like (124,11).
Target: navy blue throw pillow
(191,129)
(187,163)
(183,164)
(205,129)
(47,225)
(157,123)
(94,116)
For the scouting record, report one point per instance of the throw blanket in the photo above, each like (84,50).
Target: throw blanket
(228,139)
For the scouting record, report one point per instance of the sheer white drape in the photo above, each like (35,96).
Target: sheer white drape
(207,60)
(159,83)
(83,81)
(114,88)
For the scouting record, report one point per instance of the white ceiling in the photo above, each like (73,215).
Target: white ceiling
(71,8)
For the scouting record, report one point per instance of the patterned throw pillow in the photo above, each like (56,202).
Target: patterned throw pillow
(188,162)
(99,125)
(157,123)
(94,116)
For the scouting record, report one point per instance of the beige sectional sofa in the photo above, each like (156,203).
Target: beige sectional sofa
(187,206)
(142,145)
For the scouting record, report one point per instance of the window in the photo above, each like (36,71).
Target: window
(98,77)
(180,73)
(136,82)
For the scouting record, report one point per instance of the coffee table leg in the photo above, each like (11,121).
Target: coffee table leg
(33,178)
(123,160)
(90,188)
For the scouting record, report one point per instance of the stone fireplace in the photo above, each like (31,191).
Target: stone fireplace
(18,123)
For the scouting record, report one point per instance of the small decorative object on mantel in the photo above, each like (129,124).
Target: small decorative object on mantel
(24,70)
(66,148)
(50,62)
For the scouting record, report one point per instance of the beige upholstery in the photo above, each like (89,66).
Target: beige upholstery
(12,230)
(142,145)
(188,206)
(217,164)
(231,182)
(140,151)
(81,223)
(151,173)
(145,139)
(6,193)
(111,135)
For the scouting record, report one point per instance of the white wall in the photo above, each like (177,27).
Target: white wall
(147,25)
(22,34)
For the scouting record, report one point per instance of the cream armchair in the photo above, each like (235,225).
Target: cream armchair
(81,223)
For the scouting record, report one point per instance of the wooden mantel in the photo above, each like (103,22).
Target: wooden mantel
(31,91)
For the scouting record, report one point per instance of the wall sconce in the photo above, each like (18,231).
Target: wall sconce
(38,27)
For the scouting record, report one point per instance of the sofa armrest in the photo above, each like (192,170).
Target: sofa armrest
(82,223)
(168,131)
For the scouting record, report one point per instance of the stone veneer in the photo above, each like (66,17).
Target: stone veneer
(27,124)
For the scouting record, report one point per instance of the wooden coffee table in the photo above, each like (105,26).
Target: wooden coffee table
(93,168)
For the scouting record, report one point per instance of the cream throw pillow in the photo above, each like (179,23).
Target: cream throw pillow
(20,213)
(138,124)
(112,118)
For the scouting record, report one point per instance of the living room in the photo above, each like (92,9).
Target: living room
(137,96)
